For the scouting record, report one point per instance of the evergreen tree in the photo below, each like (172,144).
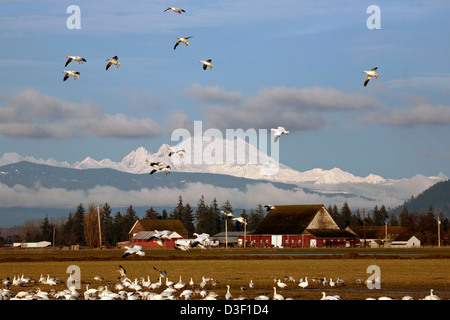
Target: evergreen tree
(177,212)
(346,216)
(164,215)
(107,226)
(187,218)
(227,207)
(128,220)
(206,218)
(357,219)
(393,221)
(151,214)
(78,225)
(116,230)
(47,230)
(216,216)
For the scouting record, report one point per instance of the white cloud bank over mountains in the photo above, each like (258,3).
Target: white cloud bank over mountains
(333,186)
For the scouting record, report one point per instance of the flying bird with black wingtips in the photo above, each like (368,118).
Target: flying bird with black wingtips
(177,10)
(162,273)
(206,64)
(370,74)
(182,40)
(113,60)
(134,250)
(74,74)
(74,58)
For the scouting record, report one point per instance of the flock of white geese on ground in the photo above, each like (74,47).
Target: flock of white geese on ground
(163,288)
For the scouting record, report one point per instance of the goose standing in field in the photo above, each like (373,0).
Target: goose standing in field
(251,284)
(228,295)
(206,64)
(134,250)
(370,74)
(277,296)
(69,73)
(177,10)
(113,60)
(278,132)
(332,283)
(74,58)
(304,284)
(182,40)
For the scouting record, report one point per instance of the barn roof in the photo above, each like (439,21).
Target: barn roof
(290,219)
(159,224)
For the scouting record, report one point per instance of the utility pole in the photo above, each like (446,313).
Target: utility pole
(99,227)
(439,232)
(364,227)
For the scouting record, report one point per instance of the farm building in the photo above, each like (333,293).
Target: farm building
(32,244)
(300,226)
(375,236)
(142,230)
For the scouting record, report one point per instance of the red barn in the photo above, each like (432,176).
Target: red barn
(143,229)
(300,226)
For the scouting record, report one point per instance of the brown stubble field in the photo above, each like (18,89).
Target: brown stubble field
(411,273)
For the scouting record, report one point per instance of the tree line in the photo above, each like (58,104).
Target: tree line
(82,226)
(423,225)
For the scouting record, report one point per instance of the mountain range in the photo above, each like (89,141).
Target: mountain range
(27,182)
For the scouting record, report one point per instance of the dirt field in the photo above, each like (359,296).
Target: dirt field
(403,273)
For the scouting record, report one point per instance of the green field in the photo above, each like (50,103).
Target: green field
(403,272)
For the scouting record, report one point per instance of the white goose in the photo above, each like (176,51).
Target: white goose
(180,152)
(206,64)
(304,284)
(182,40)
(74,74)
(282,285)
(228,295)
(277,296)
(133,250)
(370,74)
(74,58)
(325,297)
(278,132)
(432,296)
(113,60)
(177,10)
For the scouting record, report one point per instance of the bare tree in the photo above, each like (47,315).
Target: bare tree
(91,234)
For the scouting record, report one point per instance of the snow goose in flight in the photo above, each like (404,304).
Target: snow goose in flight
(182,40)
(74,58)
(113,60)
(269,207)
(161,272)
(163,169)
(278,132)
(74,74)
(370,74)
(133,250)
(206,64)
(177,10)
(180,152)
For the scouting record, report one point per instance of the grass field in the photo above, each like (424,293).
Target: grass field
(402,271)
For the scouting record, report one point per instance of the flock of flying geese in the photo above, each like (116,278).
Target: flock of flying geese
(143,288)
(114,60)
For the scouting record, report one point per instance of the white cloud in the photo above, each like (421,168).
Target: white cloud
(294,108)
(31,114)
(419,115)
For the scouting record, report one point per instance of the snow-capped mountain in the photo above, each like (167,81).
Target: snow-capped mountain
(235,158)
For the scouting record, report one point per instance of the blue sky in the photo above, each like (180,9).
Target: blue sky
(292,63)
